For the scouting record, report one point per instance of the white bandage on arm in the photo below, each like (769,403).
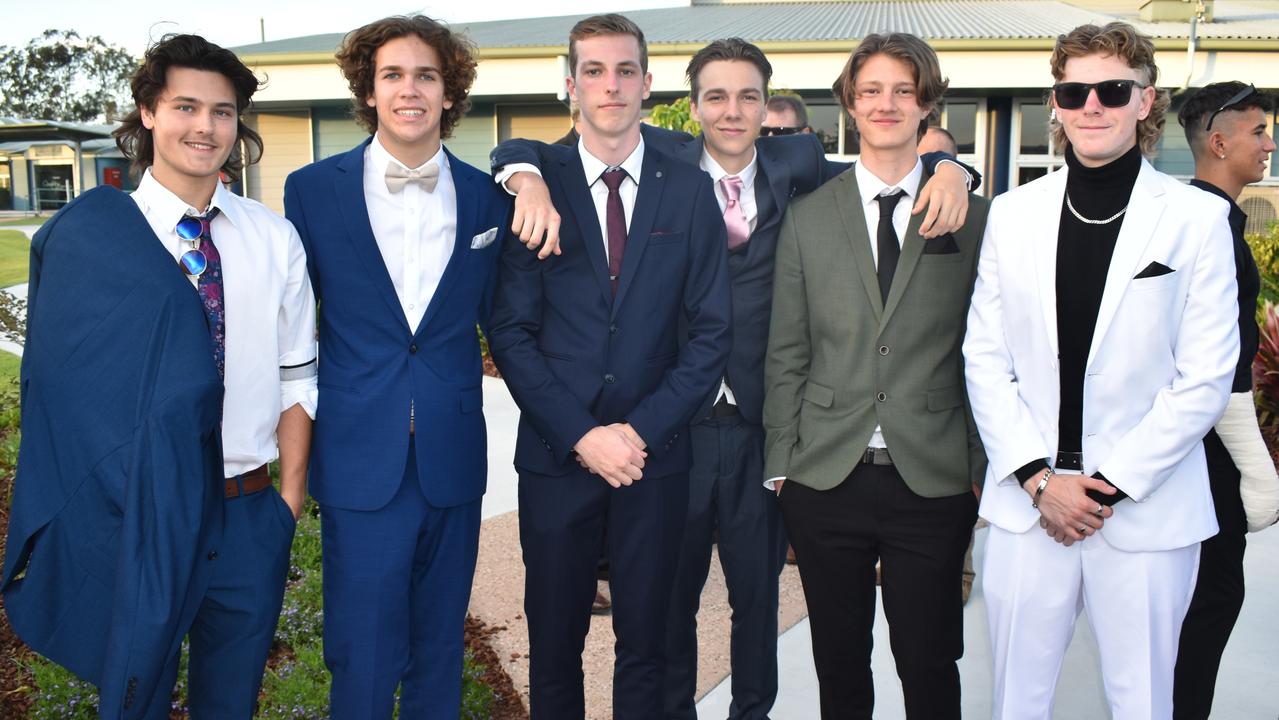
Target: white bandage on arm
(1258,482)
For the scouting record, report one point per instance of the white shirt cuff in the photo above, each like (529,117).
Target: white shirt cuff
(299,392)
(968,178)
(771,483)
(508,170)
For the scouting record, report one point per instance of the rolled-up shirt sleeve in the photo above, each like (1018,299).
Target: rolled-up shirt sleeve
(298,359)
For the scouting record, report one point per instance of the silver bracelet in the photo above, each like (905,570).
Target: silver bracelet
(1039,489)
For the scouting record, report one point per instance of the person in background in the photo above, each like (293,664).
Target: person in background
(785,115)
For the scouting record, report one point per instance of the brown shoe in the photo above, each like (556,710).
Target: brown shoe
(602,604)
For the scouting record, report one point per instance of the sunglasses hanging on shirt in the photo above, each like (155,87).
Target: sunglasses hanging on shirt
(1110,93)
(193,261)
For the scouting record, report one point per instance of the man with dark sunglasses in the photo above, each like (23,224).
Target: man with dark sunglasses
(1225,125)
(1101,340)
(190,305)
(787,115)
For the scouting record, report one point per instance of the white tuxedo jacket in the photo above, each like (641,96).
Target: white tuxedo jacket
(1158,371)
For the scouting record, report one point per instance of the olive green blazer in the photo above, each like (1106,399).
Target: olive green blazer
(841,362)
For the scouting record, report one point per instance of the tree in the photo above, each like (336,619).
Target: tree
(675,116)
(62,76)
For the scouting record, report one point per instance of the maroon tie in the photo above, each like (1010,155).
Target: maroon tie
(615,222)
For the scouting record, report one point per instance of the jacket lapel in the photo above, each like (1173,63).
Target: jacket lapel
(848,202)
(647,201)
(1045,211)
(1144,209)
(467,210)
(573,184)
(912,248)
(348,183)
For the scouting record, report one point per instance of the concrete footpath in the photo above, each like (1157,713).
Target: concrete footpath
(1246,686)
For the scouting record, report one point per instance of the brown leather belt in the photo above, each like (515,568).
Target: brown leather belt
(253,481)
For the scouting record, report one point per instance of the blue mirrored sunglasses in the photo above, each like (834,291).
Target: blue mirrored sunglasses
(193,261)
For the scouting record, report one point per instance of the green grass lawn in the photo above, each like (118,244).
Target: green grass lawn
(29,220)
(15,250)
(8,367)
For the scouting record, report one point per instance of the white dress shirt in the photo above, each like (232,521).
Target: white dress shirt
(870,188)
(415,229)
(594,169)
(746,201)
(270,315)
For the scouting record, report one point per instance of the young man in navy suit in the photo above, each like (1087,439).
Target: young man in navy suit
(402,243)
(178,524)
(609,349)
(754,180)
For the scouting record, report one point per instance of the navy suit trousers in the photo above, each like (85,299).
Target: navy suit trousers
(397,582)
(726,496)
(562,520)
(233,629)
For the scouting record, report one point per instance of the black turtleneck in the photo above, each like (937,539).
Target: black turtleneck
(1249,287)
(1083,260)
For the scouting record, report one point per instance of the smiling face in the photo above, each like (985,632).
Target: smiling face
(730,107)
(1100,134)
(408,94)
(886,105)
(1245,143)
(609,85)
(193,128)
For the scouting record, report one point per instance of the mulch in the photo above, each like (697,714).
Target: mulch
(507,705)
(15,679)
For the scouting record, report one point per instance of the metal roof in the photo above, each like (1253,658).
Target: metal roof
(816,22)
(32,129)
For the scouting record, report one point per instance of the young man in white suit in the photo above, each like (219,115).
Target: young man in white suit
(1101,341)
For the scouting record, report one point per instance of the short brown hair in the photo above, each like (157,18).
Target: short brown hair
(357,58)
(782,103)
(733,48)
(194,52)
(919,55)
(599,25)
(1124,42)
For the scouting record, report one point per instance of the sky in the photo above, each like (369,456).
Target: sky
(135,23)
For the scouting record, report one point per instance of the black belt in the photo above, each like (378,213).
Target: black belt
(1069,461)
(877,456)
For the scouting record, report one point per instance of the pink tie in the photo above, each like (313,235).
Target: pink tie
(734,217)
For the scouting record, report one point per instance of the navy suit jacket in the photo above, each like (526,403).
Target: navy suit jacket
(574,357)
(118,497)
(373,366)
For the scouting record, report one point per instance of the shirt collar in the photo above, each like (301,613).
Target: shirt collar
(379,157)
(170,208)
(871,186)
(717,172)
(593,167)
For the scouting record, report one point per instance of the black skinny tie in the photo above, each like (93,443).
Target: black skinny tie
(886,237)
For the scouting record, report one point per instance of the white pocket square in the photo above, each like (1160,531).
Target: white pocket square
(484,239)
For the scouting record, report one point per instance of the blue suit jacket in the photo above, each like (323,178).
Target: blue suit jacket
(373,365)
(574,357)
(118,498)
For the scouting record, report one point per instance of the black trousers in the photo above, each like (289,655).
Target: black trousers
(727,495)
(838,535)
(562,521)
(1218,597)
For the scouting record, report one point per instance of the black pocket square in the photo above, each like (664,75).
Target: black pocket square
(1154,269)
(941,245)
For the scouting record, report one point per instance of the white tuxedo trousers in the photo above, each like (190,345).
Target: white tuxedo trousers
(1034,590)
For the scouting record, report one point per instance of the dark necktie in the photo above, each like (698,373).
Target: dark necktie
(886,238)
(210,287)
(615,222)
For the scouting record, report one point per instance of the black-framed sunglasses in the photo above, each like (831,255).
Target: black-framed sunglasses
(1234,99)
(193,261)
(1110,93)
(766,130)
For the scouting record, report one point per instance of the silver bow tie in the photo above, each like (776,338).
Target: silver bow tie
(397,177)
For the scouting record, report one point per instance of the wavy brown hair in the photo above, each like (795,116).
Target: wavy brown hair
(357,58)
(194,52)
(912,50)
(1124,42)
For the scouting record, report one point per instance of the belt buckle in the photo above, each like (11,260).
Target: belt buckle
(1069,461)
(877,456)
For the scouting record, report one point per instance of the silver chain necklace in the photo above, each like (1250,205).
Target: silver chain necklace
(1090,221)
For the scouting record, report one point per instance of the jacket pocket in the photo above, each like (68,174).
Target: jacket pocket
(945,398)
(819,395)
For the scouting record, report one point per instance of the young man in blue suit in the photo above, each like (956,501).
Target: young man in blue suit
(173,533)
(402,242)
(754,180)
(609,349)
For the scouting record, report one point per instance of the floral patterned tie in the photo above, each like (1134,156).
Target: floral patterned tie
(210,288)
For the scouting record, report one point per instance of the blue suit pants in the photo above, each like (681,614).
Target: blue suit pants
(397,582)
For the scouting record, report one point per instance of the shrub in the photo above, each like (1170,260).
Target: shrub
(1265,367)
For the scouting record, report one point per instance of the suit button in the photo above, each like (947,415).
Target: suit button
(213,555)
(413,349)
(610,379)
(883,349)
(612,328)
(880,396)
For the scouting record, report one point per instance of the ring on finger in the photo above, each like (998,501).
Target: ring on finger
(1099,510)
(1083,529)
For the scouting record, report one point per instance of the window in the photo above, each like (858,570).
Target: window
(1035,154)
(6,187)
(966,119)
